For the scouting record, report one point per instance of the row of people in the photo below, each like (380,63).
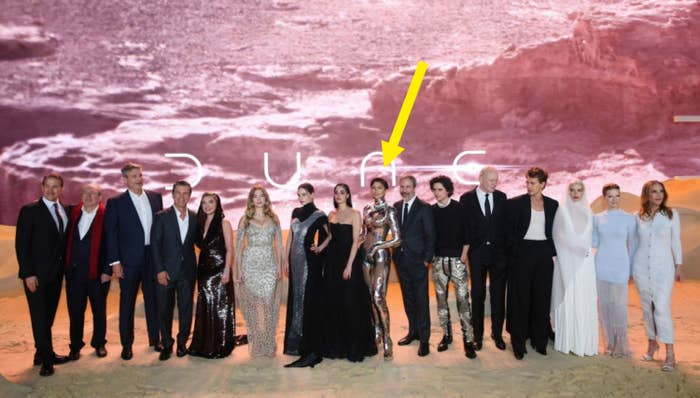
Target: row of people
(337,266)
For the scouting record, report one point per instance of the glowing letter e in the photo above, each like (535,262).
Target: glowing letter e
(292,181)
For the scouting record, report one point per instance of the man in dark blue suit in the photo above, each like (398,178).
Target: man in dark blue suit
(172,246)
(414,257)
(128,220)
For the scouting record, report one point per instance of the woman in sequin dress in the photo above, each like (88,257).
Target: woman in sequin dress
(258,271)
(215,323)
(302,333)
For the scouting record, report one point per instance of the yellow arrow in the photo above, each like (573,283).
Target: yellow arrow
(391,149)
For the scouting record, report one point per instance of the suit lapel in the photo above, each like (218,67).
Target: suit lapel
(175,223)
(131,207)
(411,212)
(49,216)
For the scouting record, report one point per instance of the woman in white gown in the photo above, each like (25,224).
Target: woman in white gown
(574,307)
(657,263)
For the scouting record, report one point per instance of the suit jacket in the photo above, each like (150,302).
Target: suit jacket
(418,232)
(169,252)
(478,231)
(519,210)
(101,250)
(124,232)
(39,245)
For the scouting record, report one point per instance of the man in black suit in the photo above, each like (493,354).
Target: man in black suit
(172,247)
(40,248)
(87,273)
(414,257)
(128,220)
(530,246)
(485,219)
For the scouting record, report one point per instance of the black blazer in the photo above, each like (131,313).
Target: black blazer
(519,209)
(124,232)
(39,245)
(477,231)
(418,232)
(169,253)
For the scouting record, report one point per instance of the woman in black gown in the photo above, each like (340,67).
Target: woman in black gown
(215,323)
(348,324)
(303,265)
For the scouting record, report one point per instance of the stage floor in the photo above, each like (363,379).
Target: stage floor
(494,373)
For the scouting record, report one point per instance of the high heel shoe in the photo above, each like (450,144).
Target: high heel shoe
(310,360)
(649,356)
(670,364)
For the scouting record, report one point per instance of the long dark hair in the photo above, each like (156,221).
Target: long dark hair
(348,201)
(645,209)
(202,216)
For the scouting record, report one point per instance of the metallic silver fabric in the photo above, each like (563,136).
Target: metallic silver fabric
(378,220)
(298,275)
(259,292)
(444,270)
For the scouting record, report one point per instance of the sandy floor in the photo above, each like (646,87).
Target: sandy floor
(446,374)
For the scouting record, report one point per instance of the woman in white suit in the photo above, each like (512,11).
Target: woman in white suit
(656,265)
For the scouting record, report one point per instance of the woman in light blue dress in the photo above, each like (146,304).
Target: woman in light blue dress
(614,233)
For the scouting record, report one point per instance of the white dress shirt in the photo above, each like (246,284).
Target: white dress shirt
(143,208)
(85,221)
(183,224)
(481,197)
(61,212)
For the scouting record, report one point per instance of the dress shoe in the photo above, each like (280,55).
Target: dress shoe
(518,355)
(469,351)
(444,343)
(423,349)
(542,350)
(310,360)
(478,344)
(74,355)
(181,351)
(46,370)
(127,354)
(500,344)
(101,352)
(407,340)
(57,359)
(241,339)
(165,353)
(157,346)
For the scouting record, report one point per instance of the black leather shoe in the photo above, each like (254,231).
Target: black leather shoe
(444,343)
(478,345)
(46,370)
(542,350)
(407,340)
(127,354)
(101,352)
(165,353)
(310,360)
(181,351)
(423,349)
(518,355)
(241,339)
(157,346)
(500,344)
(74,355)
(469,351)
(60,359)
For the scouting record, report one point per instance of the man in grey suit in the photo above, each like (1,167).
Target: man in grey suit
(172,246)
(414,256)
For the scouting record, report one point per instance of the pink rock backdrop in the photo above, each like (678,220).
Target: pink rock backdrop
(585,89)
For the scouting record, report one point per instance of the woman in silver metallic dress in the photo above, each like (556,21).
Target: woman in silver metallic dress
(215,323)
(257,271)
(304,264)
(379,218)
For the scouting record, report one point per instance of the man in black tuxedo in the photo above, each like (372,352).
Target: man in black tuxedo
(128,220)
(530,247)
(172,246)
(414,257)
(485,218)
(40,247)
(87,273)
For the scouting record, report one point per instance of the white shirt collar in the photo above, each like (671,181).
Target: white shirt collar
(410,202)
(49,203)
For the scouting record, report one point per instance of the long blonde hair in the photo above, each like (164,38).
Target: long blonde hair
(267,208)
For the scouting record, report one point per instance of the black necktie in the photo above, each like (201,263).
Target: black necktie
(487,208)
(405,214)
(58,217)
